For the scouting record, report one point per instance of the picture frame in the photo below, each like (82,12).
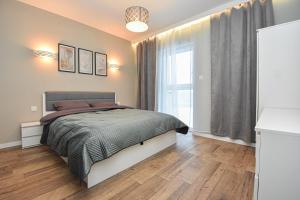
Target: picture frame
(85,61)
(100,64)
(66,58)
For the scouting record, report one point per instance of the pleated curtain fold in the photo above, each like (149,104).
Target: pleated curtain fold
(233,68)
(146,64)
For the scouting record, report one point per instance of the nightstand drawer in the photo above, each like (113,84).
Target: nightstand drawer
(31,141)
(32,131)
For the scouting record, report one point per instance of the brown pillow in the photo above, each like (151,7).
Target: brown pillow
(101,104)
(68,105)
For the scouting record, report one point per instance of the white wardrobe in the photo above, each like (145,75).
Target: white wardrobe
(278,113)
(279,66)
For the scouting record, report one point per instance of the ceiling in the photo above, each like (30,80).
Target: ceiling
(108,15)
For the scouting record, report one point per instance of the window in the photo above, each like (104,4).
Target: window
(179,95)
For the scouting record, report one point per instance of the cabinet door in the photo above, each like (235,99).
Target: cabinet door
(279,174)
(257,152)
(278,66)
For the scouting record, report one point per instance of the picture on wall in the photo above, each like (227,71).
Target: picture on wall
(85,61)
(100,64)
(66,58)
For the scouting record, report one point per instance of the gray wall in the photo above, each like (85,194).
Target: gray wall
(286,10)
(23,77)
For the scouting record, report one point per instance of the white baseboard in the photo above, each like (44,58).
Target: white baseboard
(10,144)
(225,139)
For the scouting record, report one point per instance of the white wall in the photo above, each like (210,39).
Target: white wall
(202,80)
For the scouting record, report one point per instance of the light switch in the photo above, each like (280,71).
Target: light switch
(33,108)
(119,103)
(200,77)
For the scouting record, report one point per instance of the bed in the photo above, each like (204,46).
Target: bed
(99,143)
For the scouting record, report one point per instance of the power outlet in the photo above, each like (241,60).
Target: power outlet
(119,103)
(33,108)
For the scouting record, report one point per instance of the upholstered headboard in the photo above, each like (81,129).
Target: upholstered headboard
(49,98)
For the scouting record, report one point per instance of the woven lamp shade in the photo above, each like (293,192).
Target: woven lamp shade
(136,18)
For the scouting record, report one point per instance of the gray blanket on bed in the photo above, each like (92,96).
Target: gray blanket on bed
(87,138)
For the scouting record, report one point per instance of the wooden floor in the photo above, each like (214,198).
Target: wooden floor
(195,168)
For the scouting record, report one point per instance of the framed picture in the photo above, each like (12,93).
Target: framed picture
(100,64)
(85,61)
(66,58)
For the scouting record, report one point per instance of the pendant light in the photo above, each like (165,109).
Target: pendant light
(136,18)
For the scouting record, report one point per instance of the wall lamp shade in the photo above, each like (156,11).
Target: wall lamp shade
(136,18)
(114,67)
(44,54)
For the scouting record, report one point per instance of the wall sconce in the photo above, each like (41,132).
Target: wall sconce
(114,66)
(44,54)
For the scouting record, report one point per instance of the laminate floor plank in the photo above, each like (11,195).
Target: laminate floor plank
(196,168)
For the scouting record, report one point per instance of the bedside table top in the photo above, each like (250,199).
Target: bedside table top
(30,124)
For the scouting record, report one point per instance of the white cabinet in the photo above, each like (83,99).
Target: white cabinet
(278,154)
(31,133)
(278,82)
(277,138)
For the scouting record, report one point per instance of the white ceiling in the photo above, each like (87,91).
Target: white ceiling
(108,15)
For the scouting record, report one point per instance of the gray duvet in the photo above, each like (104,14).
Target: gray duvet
(87,138)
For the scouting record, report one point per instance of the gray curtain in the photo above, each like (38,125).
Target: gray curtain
(234,64)
(146,63)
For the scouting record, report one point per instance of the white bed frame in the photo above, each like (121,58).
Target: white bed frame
(126,158)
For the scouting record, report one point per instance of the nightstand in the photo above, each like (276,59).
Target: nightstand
(31,133)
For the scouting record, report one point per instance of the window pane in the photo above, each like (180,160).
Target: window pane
(183,67)
(178,96)
(184,106)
